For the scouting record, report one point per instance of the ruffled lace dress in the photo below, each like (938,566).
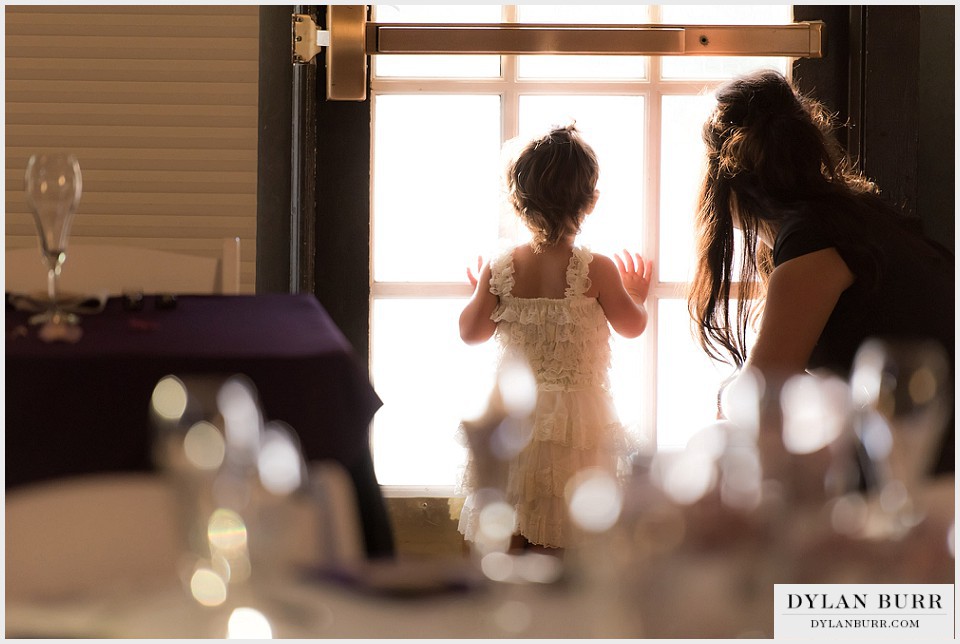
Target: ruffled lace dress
(575,425)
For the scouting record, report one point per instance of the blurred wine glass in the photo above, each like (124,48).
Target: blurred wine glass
(904,396)
(53,185)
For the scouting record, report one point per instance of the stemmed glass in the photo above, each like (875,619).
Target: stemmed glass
(903,393)
(53,185)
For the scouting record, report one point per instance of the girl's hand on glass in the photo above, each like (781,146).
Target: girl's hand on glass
(636,274)
(472,277)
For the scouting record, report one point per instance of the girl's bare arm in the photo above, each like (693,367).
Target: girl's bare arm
(623,288)
(475,323)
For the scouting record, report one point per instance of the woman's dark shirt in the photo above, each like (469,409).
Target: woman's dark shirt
(905,291)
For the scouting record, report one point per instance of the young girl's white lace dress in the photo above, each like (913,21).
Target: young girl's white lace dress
(575,424)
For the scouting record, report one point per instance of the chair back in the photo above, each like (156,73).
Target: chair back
(113,269)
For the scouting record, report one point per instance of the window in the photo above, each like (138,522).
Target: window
(439,123)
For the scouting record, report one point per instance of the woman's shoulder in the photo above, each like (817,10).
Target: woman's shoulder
(801,234)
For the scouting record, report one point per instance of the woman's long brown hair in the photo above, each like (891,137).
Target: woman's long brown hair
(770,152)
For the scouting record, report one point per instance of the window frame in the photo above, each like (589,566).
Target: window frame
(510,87)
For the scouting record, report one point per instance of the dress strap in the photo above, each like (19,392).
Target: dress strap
(501,274)
(578,272)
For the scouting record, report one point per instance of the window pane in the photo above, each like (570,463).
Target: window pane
(719,67)
(435,66)
(726,14)
(614,127)
(583,67)
(626,383)
(681,170)
(596,14)
(683,161)
(435,184)
(687,380)
(429,381)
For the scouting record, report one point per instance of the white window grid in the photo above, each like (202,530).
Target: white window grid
(510,86)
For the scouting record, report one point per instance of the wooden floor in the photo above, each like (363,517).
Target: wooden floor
(424,527)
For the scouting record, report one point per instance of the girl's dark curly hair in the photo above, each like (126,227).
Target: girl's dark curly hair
(551,184)
(771,153)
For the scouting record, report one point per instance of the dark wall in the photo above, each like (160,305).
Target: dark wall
(888,72)
(274,143)
(343,216)
(334,205)
(828,79)
(937,156)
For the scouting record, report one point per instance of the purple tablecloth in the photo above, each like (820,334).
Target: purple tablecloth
(80,408)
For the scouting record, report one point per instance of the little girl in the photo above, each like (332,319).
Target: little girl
(550,302)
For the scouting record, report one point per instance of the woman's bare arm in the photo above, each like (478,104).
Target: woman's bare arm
(801,295)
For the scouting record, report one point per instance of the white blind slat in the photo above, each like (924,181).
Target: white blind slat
(201,71)
(158,102)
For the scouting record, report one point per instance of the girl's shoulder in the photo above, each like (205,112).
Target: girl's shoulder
(597,262)
(501,272)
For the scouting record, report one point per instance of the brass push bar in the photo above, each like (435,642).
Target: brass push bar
(797,39)
(350,39)
(512,38)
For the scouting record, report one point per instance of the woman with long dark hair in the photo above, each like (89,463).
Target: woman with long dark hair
(825,263)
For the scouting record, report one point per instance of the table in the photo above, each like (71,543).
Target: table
(302,609)
(81,408)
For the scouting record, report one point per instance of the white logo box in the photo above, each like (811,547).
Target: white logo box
(865,612)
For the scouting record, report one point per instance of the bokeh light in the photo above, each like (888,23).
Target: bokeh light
(169,398)
(497,521)
(711,440)
(893,497)
(539,568)
(497,566)
(742,398)
(226,530)
(207,587)
(510,437)
(815,412)
(279,462)
(742,485)
(595,499)
(685,476)
(237,402)
(849,514)
(204,446)
(922,386)
(518,387)
(248,623)
(875,435)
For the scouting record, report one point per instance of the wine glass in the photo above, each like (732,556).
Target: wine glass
(53,185)
(904,395)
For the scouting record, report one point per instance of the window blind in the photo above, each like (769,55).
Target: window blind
(158,103)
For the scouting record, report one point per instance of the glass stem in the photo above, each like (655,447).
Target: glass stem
(52,285)
(53,279)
